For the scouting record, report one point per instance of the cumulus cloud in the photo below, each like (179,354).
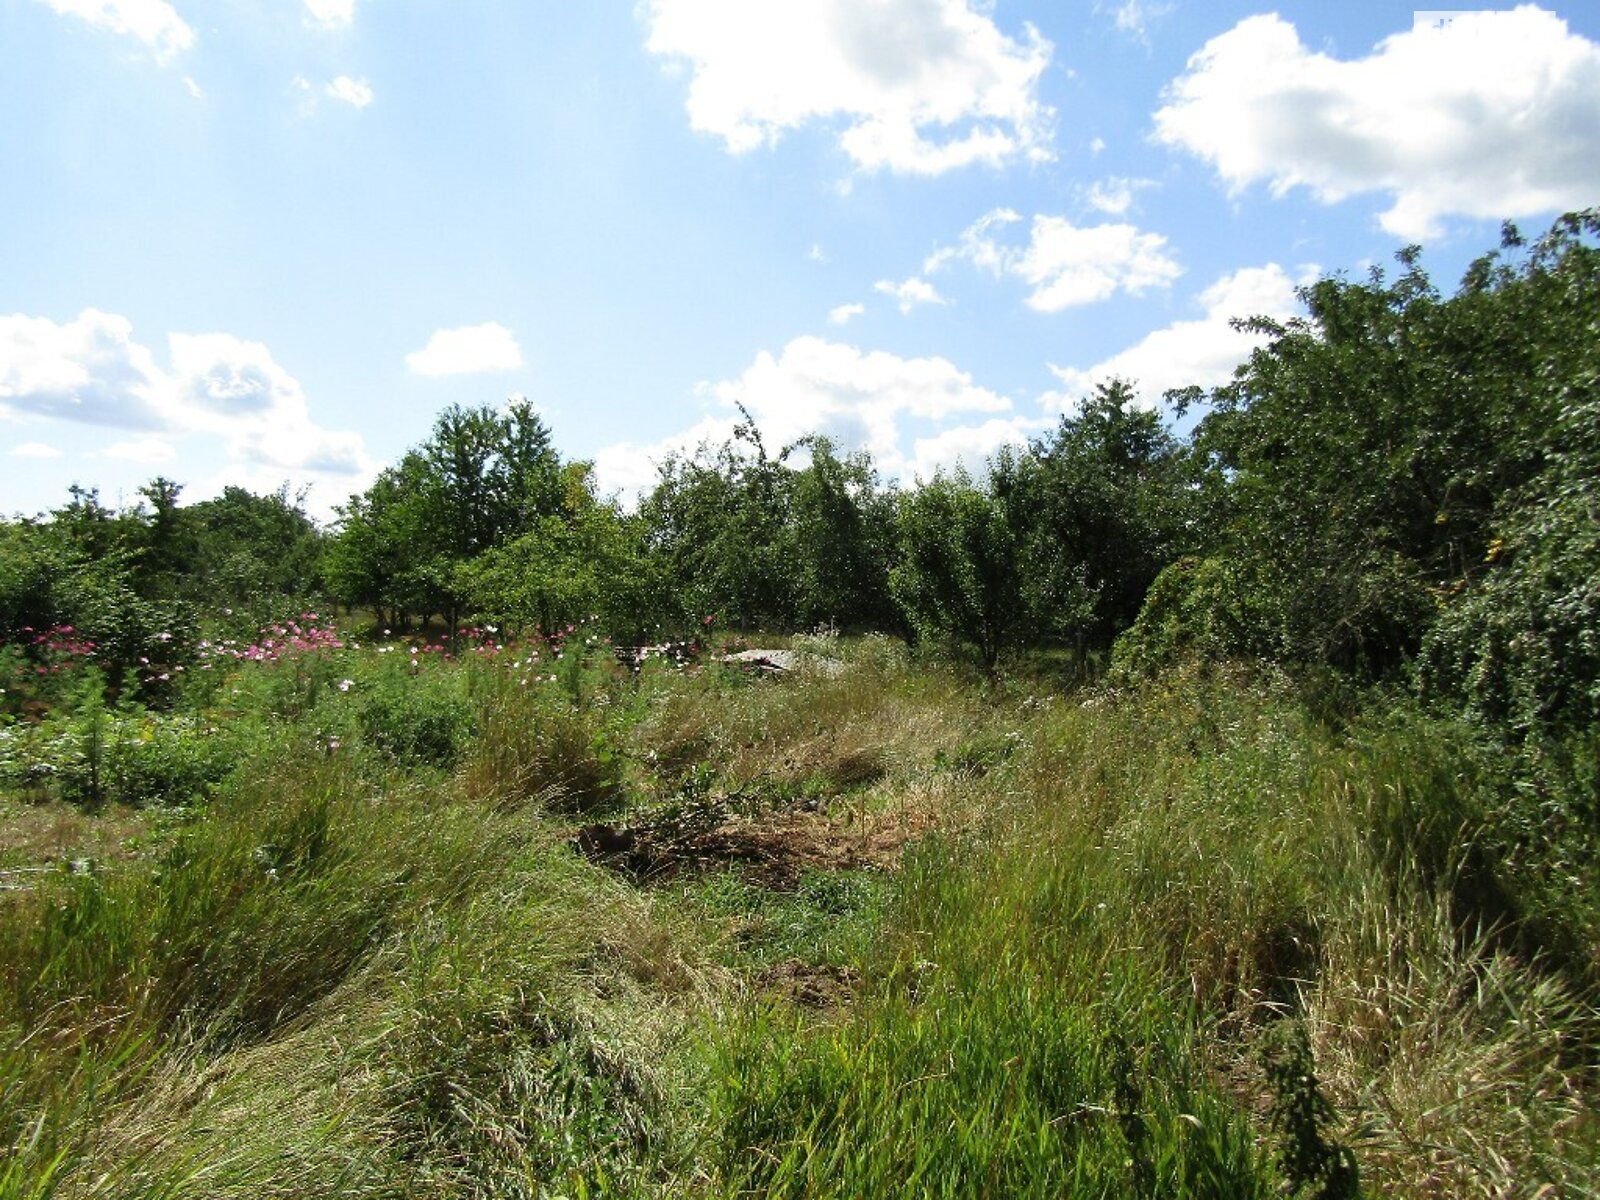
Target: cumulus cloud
(862,400)
(909,293)
(913,86)
(1200,351)
(1068,265)
(91,370)
(1491,116)
(468,350)
(35,450)
(843,313)
(355,92)
(155,23)
(970,447)
(1065,264)
(331,14)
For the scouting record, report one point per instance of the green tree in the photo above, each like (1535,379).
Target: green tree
(587,561)
(256,549)
(1109,499)
(1517,643)
(484,477)
(840,538)
(719,530)
(959,575)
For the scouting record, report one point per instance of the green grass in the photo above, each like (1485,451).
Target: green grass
(363,970)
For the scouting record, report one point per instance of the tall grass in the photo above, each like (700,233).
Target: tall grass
(1207,939)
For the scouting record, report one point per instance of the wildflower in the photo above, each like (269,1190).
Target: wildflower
(346,684)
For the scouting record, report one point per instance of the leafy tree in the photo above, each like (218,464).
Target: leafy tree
(587,561)
(959,573)
(168,540)
(1518,644)
(840,537)
(254,548)
(1108,499)
(718,526)
(484,477)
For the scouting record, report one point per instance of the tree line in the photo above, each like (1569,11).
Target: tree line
(1396,485)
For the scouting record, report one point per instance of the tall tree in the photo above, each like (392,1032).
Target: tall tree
(1109,508)
(959,574)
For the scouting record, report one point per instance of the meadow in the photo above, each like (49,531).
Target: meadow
(373,916)
(1216,812)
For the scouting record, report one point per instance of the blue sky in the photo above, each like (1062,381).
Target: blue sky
(265,241)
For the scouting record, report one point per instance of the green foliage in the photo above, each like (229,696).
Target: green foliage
(1108,499)
(839,539)
(1313,1165)
(255,553)
(483,478)
(717,526)
(1519,647)
(422,721)
(1206,610)
(764,544)
(587,561)
(960,574)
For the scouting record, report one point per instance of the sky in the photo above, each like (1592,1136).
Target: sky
(265,242)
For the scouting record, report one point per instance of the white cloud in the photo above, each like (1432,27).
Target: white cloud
(148,450)
(35,450)
(842,314)
(1134,17)
(1202,351)
(194,89)
(919,86)
(1115,194)
(355,92)
(909,293)
(1490,117)
(331,14)
(91,370)
(1066,264)
(978,244)
(817,254)
(970,446)
(469,350)
(861,399)
(152,22)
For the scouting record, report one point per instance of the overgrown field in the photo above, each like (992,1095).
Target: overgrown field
(375,919)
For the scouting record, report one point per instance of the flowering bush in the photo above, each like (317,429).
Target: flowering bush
(37,672)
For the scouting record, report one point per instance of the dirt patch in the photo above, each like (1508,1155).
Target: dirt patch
(38,836)
(811,985)
(775,851)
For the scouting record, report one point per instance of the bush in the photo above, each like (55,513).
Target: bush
(1210,609)
(420,721)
